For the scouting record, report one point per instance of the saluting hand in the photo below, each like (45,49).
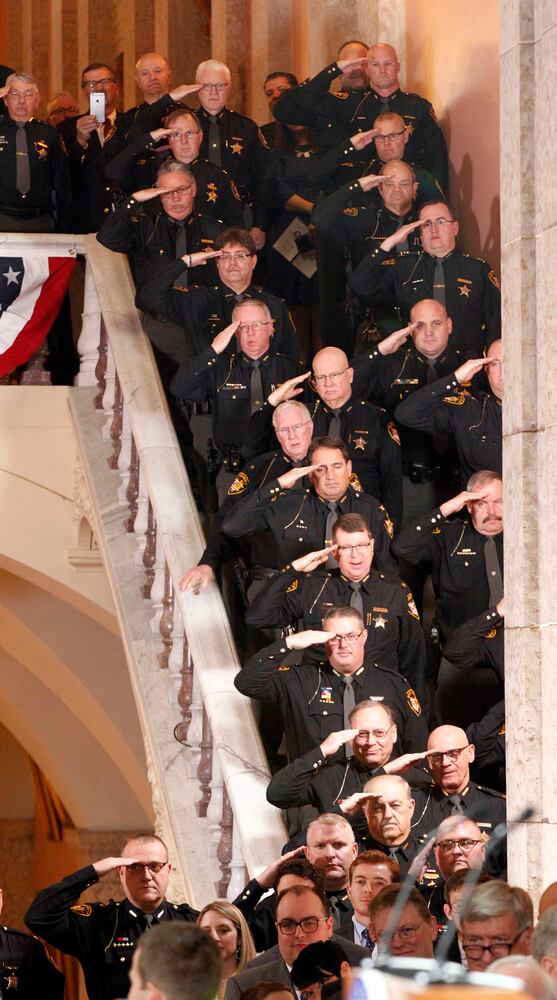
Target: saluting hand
(470,368)
(183,89)
(309,562)
(455,504)
(291,477)
(309,637)
(222,339)
(334,741)
(363,139)
(287,390)
(393,241)
(391,344)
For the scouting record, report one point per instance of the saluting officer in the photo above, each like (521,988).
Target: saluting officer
(34,175)
(236,381)
(316,699)
(204,312)
(303,592)
(301,518)
(136,166)
(359,109)
(103,936)
(474,421)
(465,285)
(466,555)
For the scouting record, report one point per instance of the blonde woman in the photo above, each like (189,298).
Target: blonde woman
(228,927)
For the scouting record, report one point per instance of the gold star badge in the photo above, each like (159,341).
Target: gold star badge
(464,290)
(211,192)
(359,443)
(236,147)
(380,622)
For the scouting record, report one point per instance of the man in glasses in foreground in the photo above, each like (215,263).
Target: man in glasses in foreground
(102,936)
(415,931)
(496,921)
(465,285)
(453,793)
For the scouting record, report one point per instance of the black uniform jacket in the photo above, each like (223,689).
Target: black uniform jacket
(26,970)
(474,421)
(297,519)
(395,637)
(455,551)
(48,171)
(310,695)
(101,936)
(203,312)
(472,292)
(433,806)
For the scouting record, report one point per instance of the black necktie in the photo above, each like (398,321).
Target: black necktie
(400,222)
(181,240)
(356,597)
(391,851)
(439,281)
(22,172)
(255,387)
(335,911)
(334,426)
(149,920)
(493,570)
(332,516)
(431,371)
(348,704)
(214,152)
(456,805)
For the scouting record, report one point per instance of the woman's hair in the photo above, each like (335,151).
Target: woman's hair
(262,990)
(232,913)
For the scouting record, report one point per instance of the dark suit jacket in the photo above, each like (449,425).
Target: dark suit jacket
(92,193)
(346,931)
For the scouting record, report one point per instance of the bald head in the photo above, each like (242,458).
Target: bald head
(152,76)
(432,328)
(383,69)
(332,376)
(450,764)
(389,813)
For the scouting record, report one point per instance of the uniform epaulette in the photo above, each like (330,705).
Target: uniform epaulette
(491,791)
(409,253)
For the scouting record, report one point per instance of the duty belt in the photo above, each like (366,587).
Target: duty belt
(24,213)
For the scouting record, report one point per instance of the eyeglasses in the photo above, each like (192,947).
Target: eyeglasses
(294,429)
(390,137)
(405,933)
(219,87)
(176,191)
(501,949)
(185,133)
(153,866)
(348,637)
(360,547)
(318,379)
(369,735)
(254,327)
(465,845)
(72,110)
(23,95)
(429,223)
(308,925)
(93,84)
(235,256)
(437,758)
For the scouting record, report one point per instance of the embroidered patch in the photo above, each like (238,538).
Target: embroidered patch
(393,432)
(82,909)
(491,634)
(239,484)
(412,606)
(293,586)
(454,400)
(413,701)
(493,278)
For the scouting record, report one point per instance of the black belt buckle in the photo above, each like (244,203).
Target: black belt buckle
(418,473)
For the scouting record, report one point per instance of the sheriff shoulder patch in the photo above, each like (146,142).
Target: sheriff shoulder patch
(393,432)
(293,586)
(350,211)
(355,482)
(388,524)
(491,634)
(493,278)
(239,484)
(341,94)
(454,400)
(412,609)
(82,909)
(413,701)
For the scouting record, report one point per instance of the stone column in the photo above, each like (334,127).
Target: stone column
(528,44)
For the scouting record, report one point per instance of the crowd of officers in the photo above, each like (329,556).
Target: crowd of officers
(333,364)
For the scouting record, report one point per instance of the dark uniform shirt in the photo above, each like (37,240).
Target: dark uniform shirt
(356,111)
(481,640)
(135,168)
(475,422)
(101,936)
(93,195)
(148,235)
(243,150)
(394,635)
(310,696)
(225,380)
(433,805)
(297,519)
(204,312)
(26,970)
(48,170)
(473,298)
(455,551)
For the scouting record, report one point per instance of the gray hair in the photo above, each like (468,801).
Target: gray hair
(24,78)
(544,941)
(292,404)
(482,478)
(213,65)
(493,899)
(171,166)
(253,302)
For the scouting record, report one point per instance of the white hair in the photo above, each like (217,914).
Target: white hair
(214,66)
(24,78)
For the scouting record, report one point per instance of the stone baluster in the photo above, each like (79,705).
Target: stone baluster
(166,622)
(149,552)
(89,338)
(195,731)
(109,392)
(132,491)
(205,767)
(224,850)
(214,808)
(157,586)
(185,695)
(116,425)
(176,655)
(124,457)
(238,873)
(100,367)
(141,520)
